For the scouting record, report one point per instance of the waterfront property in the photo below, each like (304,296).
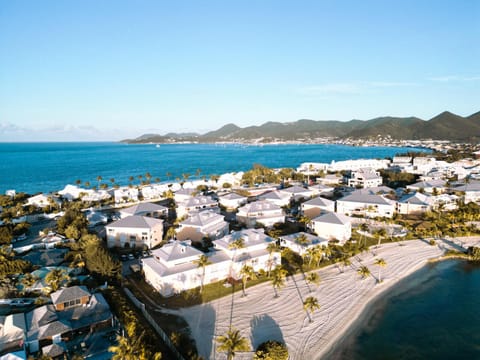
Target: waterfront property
(276,197)
(414,203)
(175,267)
(300,242)
(363,178)
(135,232)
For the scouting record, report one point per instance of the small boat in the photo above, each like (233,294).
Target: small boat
(158,145)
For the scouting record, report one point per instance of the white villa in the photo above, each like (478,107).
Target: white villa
(293,242)
(297,192)
(276,197)
(471,191)
(144,209)
(364,178)
(184,194)
(42,200)
(366,205)
(135,232)
(316,206)
(332,226)
(173,268)
(232,201)
(261,211)
(125,194)
(195,204)
(440,186)
(414,203)
(72,192)
(320,189)
(203,224)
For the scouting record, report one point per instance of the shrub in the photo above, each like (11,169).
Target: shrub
(271,350)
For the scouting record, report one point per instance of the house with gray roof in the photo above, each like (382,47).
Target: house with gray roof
(276,197)
(135,232)
(316,206)
(297,192)
(262,211)
(363,178)
(301,241)
(431,186)
(145,209)
(232,201)
(366,205)
(414,203)
(197,204)
(12,333)
(174,267)
(332,226)
(203,224)
(73,310)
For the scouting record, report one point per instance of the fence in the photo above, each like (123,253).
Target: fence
(154,324)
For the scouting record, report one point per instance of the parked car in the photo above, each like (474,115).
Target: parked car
(123,257)
(131,256)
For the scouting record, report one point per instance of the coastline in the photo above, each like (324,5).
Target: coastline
(344,300)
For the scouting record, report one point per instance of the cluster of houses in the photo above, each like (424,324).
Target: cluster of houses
(52,329)
(329,204)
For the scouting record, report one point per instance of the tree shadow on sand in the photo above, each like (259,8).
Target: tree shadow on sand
(206,324)
(264,328)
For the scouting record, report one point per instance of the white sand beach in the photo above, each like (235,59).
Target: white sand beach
(343,296)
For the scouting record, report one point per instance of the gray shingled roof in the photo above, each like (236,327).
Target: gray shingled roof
(54,350)
(41,316)
(136,221)
(68,294)
(232,196)
(261,205)
(365,198)
(202,218)
(319,201)
(143,208)
(176,250)
(333,218)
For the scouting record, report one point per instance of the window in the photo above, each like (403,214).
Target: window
(132,237)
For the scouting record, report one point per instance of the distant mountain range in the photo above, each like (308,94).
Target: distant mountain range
(445,126)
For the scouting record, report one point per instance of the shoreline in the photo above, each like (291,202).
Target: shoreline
(344,300)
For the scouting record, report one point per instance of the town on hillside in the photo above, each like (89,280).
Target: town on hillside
(99,271)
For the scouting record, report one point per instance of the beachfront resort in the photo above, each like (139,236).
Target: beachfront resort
(283,260)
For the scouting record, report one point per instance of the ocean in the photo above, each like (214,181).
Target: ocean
(46,167)
(432,314)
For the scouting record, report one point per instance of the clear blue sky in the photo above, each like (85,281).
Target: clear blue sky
(79,70)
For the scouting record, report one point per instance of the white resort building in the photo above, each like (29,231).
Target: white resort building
(135,232)
(332,226)
(203,224)
(174,267)
(262,211)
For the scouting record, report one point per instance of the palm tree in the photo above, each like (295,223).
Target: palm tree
(78,181)
(311,254)
(302,240)
(99,179)
(55,278)
(202,262)
(310,305)
(278,279)
(312,278)
(87,184)
(232,342)
(271,248)
(132,347)
(380,234)
(171,232)
(247,272)
(380,263)
(112,180)
(363,271)
(168,175)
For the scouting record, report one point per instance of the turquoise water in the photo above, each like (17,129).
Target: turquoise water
(43,167)
(432,314)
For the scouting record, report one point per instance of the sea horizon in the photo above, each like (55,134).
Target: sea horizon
(34,167)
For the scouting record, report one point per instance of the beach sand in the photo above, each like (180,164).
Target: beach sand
(342,296)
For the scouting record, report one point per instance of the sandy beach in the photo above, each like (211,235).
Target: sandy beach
(342,295)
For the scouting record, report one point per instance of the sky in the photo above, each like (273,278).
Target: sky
(113,69)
